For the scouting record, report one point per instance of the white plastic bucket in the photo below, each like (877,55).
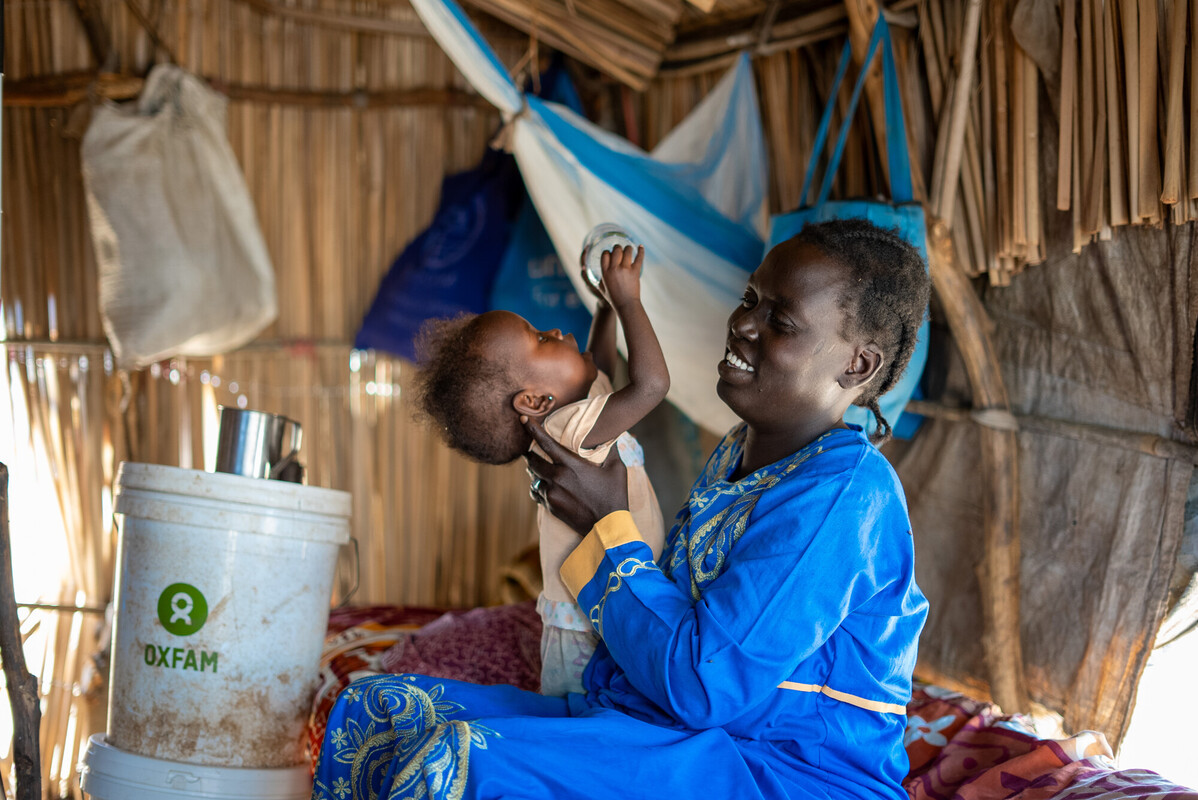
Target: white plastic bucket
(107,773)
(222,599)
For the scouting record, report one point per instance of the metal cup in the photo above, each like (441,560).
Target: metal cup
(251,443)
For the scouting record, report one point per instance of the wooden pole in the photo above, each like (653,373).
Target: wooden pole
(22,686)
(998,574)
(1147,443)
(945,196)
(67,89)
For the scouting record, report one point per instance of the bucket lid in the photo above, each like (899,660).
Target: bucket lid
(107,773)
(223,487)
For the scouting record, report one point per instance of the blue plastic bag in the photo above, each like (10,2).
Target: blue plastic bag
(533,283)
(902,213)
(450,267)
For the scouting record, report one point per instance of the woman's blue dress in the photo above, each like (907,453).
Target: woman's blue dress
(767,654)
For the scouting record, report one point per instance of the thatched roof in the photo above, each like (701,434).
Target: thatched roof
(635,40)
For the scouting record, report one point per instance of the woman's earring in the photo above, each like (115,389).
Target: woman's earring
(550,398)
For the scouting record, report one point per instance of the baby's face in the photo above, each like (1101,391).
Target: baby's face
(546,361)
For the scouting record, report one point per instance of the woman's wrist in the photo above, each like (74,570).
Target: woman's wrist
(604,512)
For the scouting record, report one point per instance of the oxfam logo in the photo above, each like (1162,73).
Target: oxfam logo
(182,609)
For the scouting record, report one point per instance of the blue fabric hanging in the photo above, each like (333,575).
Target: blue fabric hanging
(902,213)
(450,267)
(533,283)
(473,258)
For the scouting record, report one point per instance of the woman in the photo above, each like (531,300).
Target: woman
(768,652)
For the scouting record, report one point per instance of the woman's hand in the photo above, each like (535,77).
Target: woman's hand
(571,488)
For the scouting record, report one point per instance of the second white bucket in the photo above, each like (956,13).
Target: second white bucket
(222,600)
(110,774)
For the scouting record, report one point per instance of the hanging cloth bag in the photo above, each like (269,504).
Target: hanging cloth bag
(183,268)
(902,213)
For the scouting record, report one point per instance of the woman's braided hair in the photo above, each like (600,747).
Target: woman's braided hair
(885,299)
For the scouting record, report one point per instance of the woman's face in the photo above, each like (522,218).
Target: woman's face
(786,364)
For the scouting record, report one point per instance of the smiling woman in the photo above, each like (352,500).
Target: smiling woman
(767,651)
(778,344)
(779,348)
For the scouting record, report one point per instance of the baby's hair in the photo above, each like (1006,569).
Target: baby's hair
(886,297)
(465,394)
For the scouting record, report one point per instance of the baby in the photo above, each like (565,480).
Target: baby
(481,373)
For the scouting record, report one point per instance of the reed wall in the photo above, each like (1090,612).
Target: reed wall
(338,192)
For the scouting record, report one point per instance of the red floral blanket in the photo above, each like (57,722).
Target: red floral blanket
(960,748)
(966,749)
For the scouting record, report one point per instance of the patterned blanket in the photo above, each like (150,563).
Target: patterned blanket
(960,748)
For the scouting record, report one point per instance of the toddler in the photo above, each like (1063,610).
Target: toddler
(481,373)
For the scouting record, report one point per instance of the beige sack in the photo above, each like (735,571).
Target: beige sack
(183,266)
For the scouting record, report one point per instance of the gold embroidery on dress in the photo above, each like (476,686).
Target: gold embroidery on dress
(694,548)
(410,722)
(444,773)
(615,579)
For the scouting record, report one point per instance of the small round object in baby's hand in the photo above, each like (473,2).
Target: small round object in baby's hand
(603,237)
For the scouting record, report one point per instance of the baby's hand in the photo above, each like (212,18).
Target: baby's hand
(622,273)
(599,292)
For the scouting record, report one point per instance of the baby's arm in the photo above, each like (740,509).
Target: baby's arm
(648,377)
(602,341)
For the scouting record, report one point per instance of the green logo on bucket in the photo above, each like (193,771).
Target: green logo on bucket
(182,609)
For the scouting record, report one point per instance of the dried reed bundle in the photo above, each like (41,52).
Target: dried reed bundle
(333,189)
(1116,120)
(621,40)
(1132,73)
(1068,98)
(709,42)
(972,229)
(1172,190)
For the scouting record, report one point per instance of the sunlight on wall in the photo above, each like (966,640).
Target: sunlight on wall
(1159,737)
(39,547)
